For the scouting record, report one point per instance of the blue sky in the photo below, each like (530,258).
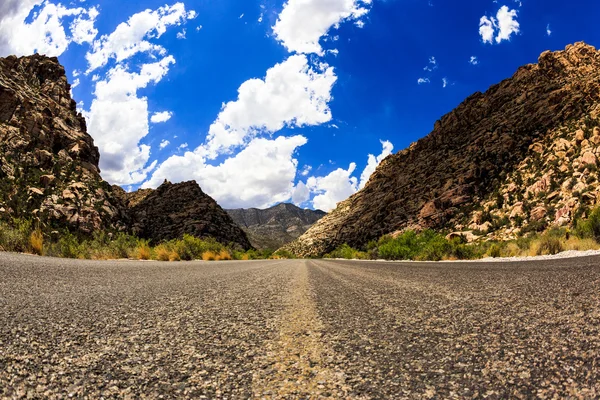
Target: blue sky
(269,101)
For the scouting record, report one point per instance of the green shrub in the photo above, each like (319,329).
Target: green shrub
(16,235)
(549,244)
(590,228)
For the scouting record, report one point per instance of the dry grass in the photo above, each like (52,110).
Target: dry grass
(162,253)
(577,244)
(143,252)
(174,256)
(224,255)
(209,256)
(36,240)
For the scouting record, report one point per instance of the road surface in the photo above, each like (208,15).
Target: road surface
(299,329)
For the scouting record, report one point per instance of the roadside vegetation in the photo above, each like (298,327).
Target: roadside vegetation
(22,236)
(19,235)
(432,246)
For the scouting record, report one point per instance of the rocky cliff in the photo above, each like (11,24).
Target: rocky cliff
(173,210)
(49,168)
(275,226)
(48,162)
(520,157)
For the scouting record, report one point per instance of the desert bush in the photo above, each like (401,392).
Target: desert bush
(143,251)
(162,253)
(283,254)
(209,256)
(589,228)
(36,240)
(578,244)
(495,251)
(549,243)
(15,235)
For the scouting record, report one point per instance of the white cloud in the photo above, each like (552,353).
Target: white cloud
(160,117)
(181,35)
(374,161)
(183,146)
(129,38)
(340,184)
(500,28)
(306,170)
(164,143)
(303,23)
(241,16)
(293,93)
(301,194)
(83,29)
(548,30)
(233,183)
(432,65)
(44,33)
(333,188)
(444,82)
(421,81)
(507,24)
(118,120)
(473,60)
(486,29)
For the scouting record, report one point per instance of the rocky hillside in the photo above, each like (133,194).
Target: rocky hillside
(173,210)
(49,168)
(275,226)
(518,158)
(48,162)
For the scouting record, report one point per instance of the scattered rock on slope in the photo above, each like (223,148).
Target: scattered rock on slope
(522,156)
(48,162)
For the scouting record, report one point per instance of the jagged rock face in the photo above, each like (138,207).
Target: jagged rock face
(275,226)
(48,162)
(173,210)
(525,128)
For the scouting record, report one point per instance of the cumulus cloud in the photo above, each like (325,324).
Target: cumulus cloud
(83,27)
(164,143)
(260,175)
(118,121)
(333,188)
(374,161)
(293,93)
(341,184)
(473,60)
(302,23)
(500,28)
(301,194)
(130,38)
(160,117)
(45,33)
(548,30)
(486,29)
(422,81)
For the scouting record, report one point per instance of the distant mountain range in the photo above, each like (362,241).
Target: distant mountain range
(521,157)
(275,226)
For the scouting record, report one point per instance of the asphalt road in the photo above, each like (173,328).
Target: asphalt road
(299,329)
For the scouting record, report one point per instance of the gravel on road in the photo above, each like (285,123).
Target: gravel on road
(299,329)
